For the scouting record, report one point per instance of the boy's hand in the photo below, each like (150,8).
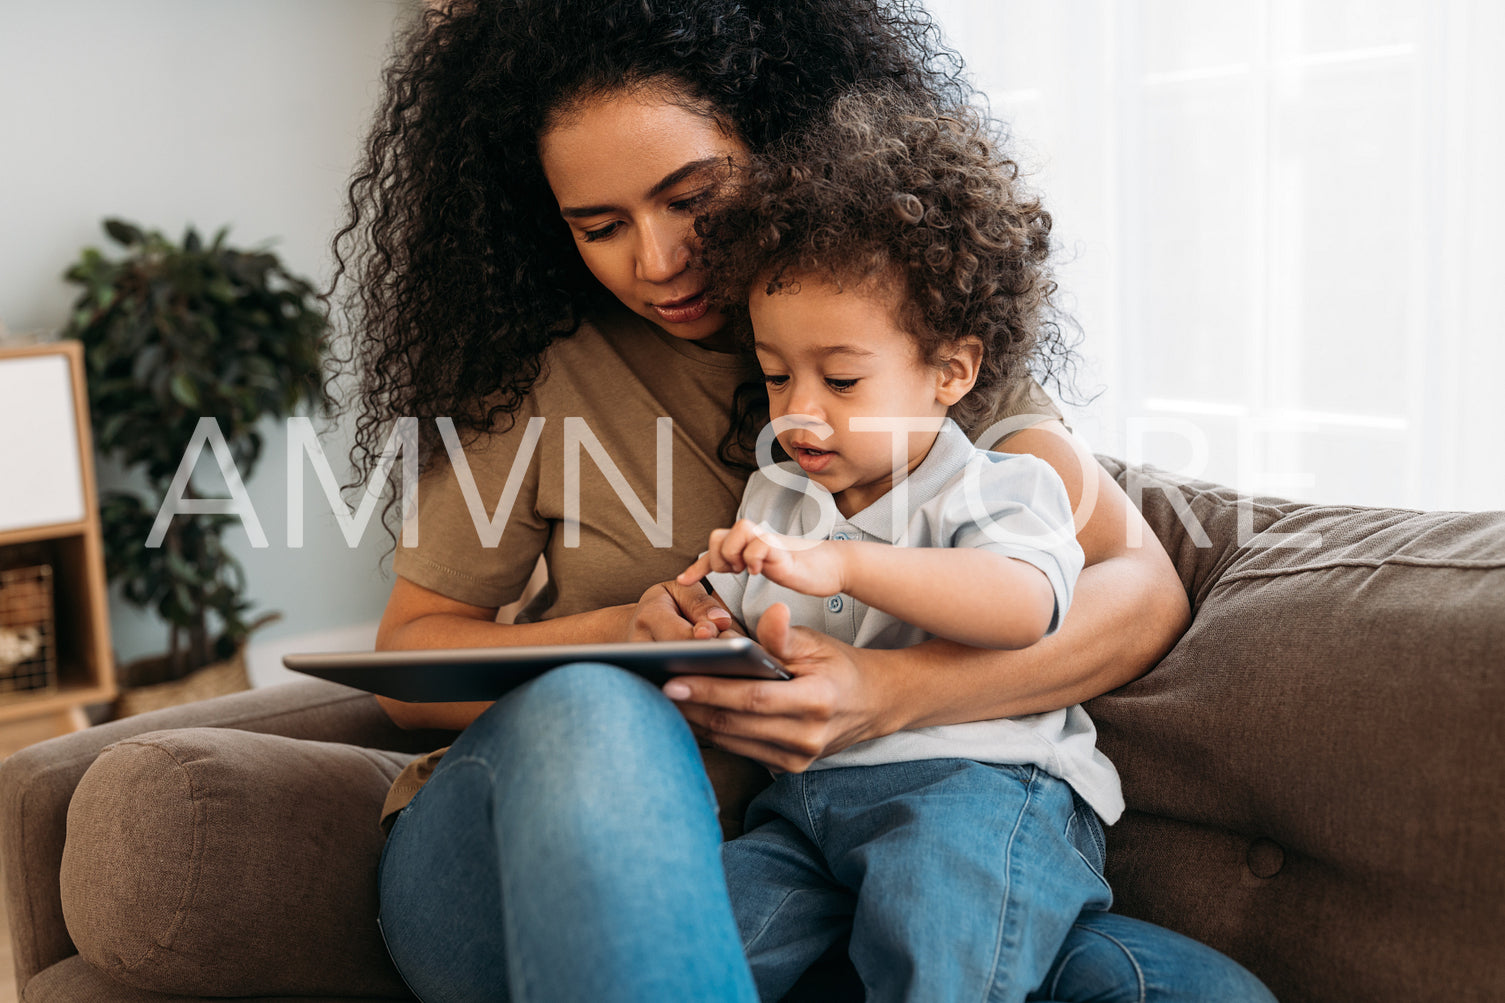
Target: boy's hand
(815,569)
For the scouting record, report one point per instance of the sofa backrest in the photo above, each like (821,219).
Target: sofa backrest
(1314,772)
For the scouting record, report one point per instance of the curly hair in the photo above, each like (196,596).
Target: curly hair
(888,188)
(458,272)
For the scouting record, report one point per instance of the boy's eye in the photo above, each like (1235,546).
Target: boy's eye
(776,382)
(600,232)
(840,386)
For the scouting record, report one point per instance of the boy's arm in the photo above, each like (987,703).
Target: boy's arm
(969,595)
(951,592)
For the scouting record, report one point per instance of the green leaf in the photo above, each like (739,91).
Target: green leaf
(123,233)
(184,572)
(109,432)
(183,390)
(220,288)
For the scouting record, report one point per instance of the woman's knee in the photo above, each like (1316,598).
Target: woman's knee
(585,709)
(583,737)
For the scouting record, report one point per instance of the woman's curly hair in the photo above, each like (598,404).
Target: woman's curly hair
(456,268)
(892,189)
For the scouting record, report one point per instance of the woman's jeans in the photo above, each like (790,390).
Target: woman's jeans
(567,849)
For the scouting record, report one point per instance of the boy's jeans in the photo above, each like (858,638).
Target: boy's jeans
(956,880)
(567,849)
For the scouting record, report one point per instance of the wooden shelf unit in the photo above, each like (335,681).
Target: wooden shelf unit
(73,548)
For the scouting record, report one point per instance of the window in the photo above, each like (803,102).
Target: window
(1281,231)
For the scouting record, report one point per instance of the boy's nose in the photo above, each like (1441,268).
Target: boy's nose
(805,405)
(806,401)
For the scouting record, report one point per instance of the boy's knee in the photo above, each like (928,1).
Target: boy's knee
(1118,960)
(1094,966)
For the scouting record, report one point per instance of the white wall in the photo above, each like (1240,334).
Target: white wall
(169,112)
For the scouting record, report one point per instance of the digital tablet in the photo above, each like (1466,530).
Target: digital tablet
(443,675)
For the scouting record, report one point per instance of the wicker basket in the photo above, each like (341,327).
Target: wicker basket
(28,634)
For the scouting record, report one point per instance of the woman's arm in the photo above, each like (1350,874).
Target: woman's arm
(1128,610)
(417,617)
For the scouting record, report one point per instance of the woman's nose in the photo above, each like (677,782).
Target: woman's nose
(663,252)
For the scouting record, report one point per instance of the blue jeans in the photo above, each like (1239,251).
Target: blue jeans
(567,848)
(955,880)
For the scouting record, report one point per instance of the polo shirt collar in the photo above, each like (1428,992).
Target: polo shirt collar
(947,457)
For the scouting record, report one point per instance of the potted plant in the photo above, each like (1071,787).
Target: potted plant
(173,332)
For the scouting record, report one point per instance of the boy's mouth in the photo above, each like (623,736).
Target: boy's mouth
(810,459)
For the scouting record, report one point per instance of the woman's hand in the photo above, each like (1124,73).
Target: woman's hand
(806,566)
(784,724)
(670,611)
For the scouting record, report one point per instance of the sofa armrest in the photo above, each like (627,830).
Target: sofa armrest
(37,783)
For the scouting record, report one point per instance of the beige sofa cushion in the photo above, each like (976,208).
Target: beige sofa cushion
(209,861)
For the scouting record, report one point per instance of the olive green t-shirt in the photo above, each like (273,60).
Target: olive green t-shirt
(584,458)
(612,476)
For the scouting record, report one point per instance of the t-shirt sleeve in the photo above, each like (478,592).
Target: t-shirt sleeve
(479,532)
(1016,505)
(1024,404)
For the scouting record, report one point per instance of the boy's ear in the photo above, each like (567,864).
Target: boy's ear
(958,370)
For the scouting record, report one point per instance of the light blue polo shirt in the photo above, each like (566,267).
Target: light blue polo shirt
(959,496)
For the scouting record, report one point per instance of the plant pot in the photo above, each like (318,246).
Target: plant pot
(149,683)
(213,680)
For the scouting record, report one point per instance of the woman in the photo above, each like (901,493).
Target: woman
(524,268)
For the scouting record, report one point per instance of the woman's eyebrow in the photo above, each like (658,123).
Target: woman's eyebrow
(668,181)
(688,170)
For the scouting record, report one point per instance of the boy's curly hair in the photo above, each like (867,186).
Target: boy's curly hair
(889,186)
(456,268)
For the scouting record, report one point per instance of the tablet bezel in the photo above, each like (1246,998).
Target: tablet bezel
(452,675)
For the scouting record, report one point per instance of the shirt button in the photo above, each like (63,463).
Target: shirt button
(834,604)
(840,536)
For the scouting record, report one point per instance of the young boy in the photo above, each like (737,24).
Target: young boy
(956,857)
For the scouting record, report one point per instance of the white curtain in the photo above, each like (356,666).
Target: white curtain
(1281,225)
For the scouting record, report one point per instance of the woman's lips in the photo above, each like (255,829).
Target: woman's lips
(683,311)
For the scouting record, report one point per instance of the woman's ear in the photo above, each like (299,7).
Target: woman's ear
(958,369)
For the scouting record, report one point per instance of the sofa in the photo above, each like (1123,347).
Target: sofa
(1313,774)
